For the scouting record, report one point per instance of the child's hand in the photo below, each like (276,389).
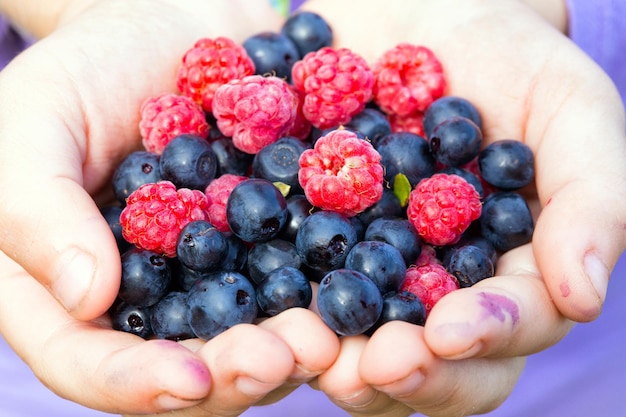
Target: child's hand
(532,84)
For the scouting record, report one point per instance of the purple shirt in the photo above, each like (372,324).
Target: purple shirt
(583,375)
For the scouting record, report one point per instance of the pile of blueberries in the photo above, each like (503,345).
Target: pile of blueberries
(280,244)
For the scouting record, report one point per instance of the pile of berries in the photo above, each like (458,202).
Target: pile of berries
(284,161)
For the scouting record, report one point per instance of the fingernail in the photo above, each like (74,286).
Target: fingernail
(361,398)
(403,387)
(169,402)
(598,274)
(254,388)
(75,276)
(302,375)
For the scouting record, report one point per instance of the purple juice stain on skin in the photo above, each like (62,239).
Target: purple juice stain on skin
(499,306)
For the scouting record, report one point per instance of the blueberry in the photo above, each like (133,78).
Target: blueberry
(467,176)
(349,302)
(256,211)
(506,220)
(220,301)
(168,317)
(455,141)
(507,164)
(401,306)
(478,241)
(388,206)
(308,31)
(446,107)
(298,209)
(372,123)
(278,162)
(283,288)
(236,256)
(398,232)
(188,161)
(380,261)
(324,240)
(272,53)
(405,153)
(470,264)
(146,277)
(112,215)
(200,246)
(230,160)
(264,257)
(131,319)
(183,278)
(137,169)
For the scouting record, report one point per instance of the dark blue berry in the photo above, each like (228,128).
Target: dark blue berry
(188,161)
(264,257)
(220,301)
(230,160)
(308,31)
(506,220)
(405,153)
(372,123)
(168,317)
(349,302)
(467,176)
(131,319)
(455,141)
(380,261)
(146,277)
(324,240)
(256,211)
(272,53)
(401,306)
(478,241)
(388,206)
(200,246)
(283,288)
(137,169)
(446,107)
(507,164)
(112,216)
(470,264)
(236,256)
(183,278)
(278,162)
(399,233)
(298,209)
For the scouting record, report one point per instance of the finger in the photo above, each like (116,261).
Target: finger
(398,363)
(508,315)
(247,363)
(91,364)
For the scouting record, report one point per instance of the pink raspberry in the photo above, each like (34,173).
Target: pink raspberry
(442,207)
(429,282)
(155,214)
(341,173)
(407,79)
(428,255)
(166,116)
(255,111)
(217,193)
(337,83)
(413,123)
(209,64)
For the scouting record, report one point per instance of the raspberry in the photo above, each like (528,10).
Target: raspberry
(407,79)
(209,64)
(255,111)
(217,193)
(155,214)
(430,282)
(413,123)
(166,116)
(428,255)
(341,173)
(442,207)
(337,84)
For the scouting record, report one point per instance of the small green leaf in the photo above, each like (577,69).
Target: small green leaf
(283,188)
(402,188)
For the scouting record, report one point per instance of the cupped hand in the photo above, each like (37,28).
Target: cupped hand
(532,84)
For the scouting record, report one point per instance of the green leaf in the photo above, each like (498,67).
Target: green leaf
(283,188)
(402,188)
